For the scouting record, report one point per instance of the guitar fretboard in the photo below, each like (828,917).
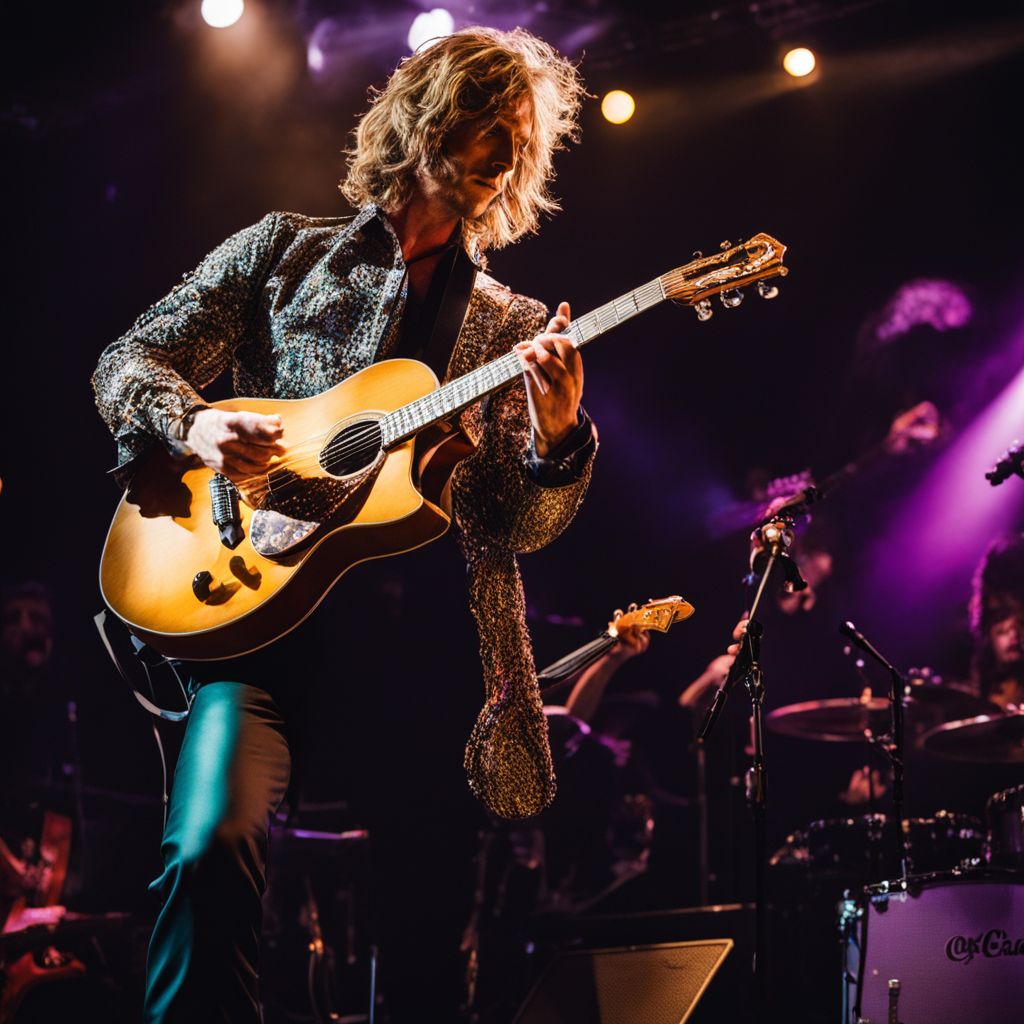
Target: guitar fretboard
(456,395)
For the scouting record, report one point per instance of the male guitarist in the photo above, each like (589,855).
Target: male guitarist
(452,158)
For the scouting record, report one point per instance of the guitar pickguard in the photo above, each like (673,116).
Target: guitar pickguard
(273,535)
(297,508)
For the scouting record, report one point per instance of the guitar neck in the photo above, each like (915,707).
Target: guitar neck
(577,660)
(456,395)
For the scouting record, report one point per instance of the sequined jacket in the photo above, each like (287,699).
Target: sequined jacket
(295,304)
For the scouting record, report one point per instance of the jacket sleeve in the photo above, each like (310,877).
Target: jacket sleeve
(146,381)
(496,501)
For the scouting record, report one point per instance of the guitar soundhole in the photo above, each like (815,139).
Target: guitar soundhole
(353,448)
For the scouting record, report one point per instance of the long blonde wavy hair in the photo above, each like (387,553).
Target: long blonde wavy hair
(474,73)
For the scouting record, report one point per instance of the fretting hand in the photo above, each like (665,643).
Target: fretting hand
(237,444)
(553,373)
(632,641)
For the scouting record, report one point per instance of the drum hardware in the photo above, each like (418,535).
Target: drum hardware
(894,1001)
(850,918)
(853,850)
(892,743)
(1005,846)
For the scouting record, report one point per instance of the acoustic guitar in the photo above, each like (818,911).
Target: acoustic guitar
(202,569)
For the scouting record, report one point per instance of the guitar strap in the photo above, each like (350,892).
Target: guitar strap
(100,621)
(444,313)
(452,313)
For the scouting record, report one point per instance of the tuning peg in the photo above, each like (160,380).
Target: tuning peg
(725,245)
(703,310)
(731,298)
(766,289)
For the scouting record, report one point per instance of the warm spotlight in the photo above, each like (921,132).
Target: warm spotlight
(221,13)
(799,62)
(617,106)
(428,25)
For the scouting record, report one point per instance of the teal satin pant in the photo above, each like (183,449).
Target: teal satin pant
(232,774)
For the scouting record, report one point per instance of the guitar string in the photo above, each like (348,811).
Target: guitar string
(348,443)
(337,448)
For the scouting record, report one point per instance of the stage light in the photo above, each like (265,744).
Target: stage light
(617,106)
(430,25)
(799,62)
(942,305)
(221,13)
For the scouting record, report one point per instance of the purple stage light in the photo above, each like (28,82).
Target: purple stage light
(938,534)
(932,302)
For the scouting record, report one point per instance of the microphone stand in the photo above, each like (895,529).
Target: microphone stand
(776,535)
(893,743)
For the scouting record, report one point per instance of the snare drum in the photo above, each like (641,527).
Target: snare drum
(1006,828)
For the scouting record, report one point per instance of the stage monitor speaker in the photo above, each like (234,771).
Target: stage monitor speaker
(650,984)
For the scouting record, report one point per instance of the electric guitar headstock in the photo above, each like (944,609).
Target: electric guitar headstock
(660,614)
(725,272)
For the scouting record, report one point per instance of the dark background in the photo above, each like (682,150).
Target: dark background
(136,139)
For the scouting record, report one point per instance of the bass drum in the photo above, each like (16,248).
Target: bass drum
(818,865)
(953,942)
(1005,846)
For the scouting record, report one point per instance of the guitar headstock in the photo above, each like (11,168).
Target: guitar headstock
(725,272)
(660,614)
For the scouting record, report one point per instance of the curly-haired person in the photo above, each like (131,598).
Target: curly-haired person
(454,156)
(997,621)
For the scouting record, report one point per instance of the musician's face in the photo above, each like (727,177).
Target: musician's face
(26,631)
(483,154)
(1007,640)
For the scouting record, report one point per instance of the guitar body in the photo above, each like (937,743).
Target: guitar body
(163,532)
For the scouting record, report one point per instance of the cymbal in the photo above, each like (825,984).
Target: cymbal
(984,739)
(837,719)
(848,719)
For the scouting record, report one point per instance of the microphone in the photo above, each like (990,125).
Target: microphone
(1011,462)
(226,517)
(796,504)
(857,638)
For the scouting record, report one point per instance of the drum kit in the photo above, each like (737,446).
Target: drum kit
(945,941)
